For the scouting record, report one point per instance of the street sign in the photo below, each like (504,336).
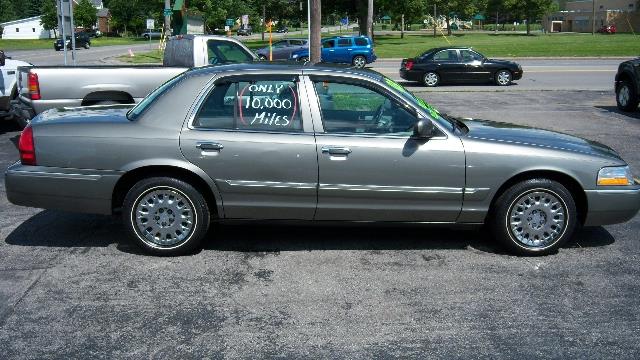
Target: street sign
(227,28)
(245,20)
(229,22)
(344,21)
(151,24)
(167,12)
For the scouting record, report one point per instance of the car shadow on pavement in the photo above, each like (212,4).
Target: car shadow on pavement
(71,230)
(614,109)
(8,126)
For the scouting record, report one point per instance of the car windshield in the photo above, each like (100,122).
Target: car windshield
(432,111)
(137,110)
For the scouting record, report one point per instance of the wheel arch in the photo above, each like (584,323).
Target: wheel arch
(568,181)
(626,75)
(200,181)
(98,96)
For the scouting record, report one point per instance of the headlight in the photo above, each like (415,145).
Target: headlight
(294,56)
(615,176)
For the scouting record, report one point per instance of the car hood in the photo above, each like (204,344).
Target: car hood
(101,113)
(522,135)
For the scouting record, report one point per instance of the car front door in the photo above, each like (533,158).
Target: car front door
(370,167)
(252,136)
(474,66)
(344,49)
(329,51)
(281,50)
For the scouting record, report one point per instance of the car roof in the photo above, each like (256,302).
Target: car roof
(448,48)
(286,67)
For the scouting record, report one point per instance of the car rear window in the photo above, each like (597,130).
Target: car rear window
(221,52)
(142,106)
(361,41)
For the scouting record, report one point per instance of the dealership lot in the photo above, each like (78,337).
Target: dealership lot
(72,286)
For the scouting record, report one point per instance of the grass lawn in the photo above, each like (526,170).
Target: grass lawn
(6,44)
(148,57)
(501,45)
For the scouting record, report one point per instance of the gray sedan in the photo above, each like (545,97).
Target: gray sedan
(284,142)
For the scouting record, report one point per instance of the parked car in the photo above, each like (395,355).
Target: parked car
(627,85)
(355,50)
(458,65)
(8,88)
(607,29)
(283,30)
(244,31)
(82,41)
(45,87)
(282,49)
(148,35)
(286,142)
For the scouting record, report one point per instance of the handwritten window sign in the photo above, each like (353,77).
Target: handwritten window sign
(256,105)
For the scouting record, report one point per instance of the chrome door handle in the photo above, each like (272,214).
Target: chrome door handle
(209,146)
(336,150)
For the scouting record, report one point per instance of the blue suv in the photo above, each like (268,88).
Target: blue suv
(355,50)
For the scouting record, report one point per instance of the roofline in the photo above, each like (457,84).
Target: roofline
(21,20)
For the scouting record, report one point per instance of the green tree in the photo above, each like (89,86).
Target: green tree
(85,14)
(33,8)
(7,12)
(49,18)
(531,10)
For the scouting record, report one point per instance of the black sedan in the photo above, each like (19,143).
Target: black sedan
(458,65)
(82,41)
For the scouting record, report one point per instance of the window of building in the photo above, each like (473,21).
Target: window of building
(17,29)
(33,29)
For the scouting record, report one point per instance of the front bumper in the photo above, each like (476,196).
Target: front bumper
(612,206)
(76,190)
(517,74)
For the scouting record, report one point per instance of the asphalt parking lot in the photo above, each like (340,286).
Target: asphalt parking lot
(73,286)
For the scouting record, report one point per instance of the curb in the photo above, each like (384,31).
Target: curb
(621,58)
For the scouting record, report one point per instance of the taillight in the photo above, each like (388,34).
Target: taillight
(34,86)
(27,147)
(408,65)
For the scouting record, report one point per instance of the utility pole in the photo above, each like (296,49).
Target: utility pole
(593,17)
(167,18)
(435,20)
(264,19)
(496,29)
(370,19)
(314,31)
(402,23)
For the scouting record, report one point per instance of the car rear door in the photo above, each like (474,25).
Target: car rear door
(370,168)
(253,136)
(344,49)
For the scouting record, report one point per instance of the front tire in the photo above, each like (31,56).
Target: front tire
(431,79)
(503,78)
(534,217)
(166,216)
(359,61)
(626,96)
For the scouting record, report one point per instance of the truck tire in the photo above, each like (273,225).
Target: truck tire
(626,96)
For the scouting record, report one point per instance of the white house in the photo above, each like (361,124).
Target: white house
(29,28)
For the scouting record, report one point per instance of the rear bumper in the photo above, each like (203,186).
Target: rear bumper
(410,75)
(612,206)
(86,191)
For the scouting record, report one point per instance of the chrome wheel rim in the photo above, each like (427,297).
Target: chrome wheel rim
(431,79)
(359,61)
(623,95)
(504,77)
(538,218)
(164,217)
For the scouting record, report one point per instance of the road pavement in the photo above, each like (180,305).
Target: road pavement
(74,287)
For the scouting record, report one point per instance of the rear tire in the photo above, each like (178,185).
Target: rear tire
(431,79)
(166,216)
(626,96)
(534,217)
(303,59)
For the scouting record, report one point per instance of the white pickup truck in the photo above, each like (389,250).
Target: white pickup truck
(8,88)
(42,88)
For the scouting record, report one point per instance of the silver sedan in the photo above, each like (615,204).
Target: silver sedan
(284,142)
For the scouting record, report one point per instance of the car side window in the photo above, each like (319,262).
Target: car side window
(361,42)
(221,52)
(357,109)
(296,42)
(328,44)
(280,44)
(446,55)
(470,56)
(344,42)
(266,105)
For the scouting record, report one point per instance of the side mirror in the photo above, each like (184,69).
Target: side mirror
(423,129)
(3,57)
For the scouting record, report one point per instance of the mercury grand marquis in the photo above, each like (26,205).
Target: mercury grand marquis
(284,142)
